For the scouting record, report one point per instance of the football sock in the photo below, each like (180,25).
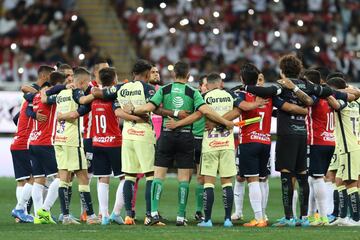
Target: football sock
(70,191)
(52,195)
(156,189)
(128,194)
(119,201)
(239,193)
(228,199)
(255,199)
(208,200)
(37,196)
(103,198)
(183,193)
(336,203)
(136,187)
(354,202)
(329,197)
(320,190)
(64,197)
(25,197)
(312,203)
(343,201)
(264,187)
(148,196)
(287,194)
(303,194)
(86,199)
(19,190)
(199,195)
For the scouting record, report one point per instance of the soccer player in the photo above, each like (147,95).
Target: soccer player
(67,71)
(178,145)
(69,147)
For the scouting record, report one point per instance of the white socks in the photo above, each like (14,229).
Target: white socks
(329,197)
(19,190)
(239,192)
(255,199)
(52,195)
(119,201)
(37,196)
(264,187)
(320,191)
(294,203)
(103,197)
(25,196)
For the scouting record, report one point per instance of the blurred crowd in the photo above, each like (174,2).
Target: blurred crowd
(219,35)
(33,32)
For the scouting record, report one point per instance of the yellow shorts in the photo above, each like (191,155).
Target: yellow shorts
(334,164)
(349,166)
(70,158)
(222,161)
(137,157)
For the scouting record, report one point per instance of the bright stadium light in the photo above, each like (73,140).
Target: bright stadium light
(255,43)
(201,21)
(222,75)
(276,1)
(21,70)
(317,49)
(216,14)
(297,45)
(191,79)
(162,5)
(170,67)
(55,67)
(251,11)
(81,56)
(334,39)
(300,23)
(140,9)
(149,25)
(216,31)
(277,34)
(184,22)
(74,18)
(172,30)
(13,46)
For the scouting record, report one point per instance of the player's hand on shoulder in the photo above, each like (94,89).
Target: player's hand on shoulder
(40,117)
(285,82)
(261,101)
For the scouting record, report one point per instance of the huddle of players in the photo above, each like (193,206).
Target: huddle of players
(131,151)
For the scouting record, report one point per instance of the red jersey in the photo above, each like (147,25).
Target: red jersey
(256,132)
(23,131)
(87,117)
(105,128)
(43,132)
(321,124)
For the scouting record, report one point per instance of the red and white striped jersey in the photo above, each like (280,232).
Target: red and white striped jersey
(23,131)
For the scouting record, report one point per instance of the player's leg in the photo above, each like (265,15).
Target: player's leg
(239,191)
(89,154)
(115,158)
(209,185)
(199,189)
(183,193)
(263,178)
(295,198)
(139,176)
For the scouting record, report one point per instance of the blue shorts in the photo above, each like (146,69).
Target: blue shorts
(22,164)
(254,160)
(43,161)
(107,160)
(320,158)
(89,153)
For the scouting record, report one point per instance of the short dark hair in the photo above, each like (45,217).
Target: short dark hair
(81,71)
(107,76)
(45,69)
(213,78)
(181,69)
(141,66)
(291,66)
(100,60)
(201,79)
(63,67)
(336,82)
(324,72)
(249,73)
(336,74)
(56,77)
(313,76)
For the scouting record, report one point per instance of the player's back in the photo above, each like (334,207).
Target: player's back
(24,127)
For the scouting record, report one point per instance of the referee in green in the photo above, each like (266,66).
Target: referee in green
(175,148)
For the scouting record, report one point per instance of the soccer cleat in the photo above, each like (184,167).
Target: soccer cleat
(338,222)
(228,223)
(205,224)
(255,223)
(116,218)
(350,223)
(93,220)
(105,221)
(45,216)
(283,222)
(39,221)
(331,218)
(61,216)
(180,221)
(20,214)
(156,220)
(266,219)
(303,222)
(83,217)
(199,216)
(67,220)
(237,217)
(317,215)
(129,221)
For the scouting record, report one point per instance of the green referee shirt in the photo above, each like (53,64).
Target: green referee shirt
(178,96)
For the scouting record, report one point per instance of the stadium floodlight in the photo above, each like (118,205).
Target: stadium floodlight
(13,46)
(81,56)
(216,14)
(255,43)
(297,45)
(170,67)
(317,49)
(172,30)
(300,23)
(55,67)
(21,70)
(334,39)
(251,11)
(162,5)
(149,25)
(222,75)
(74,18)
(184,21)
(277,34)
(216,31)
(140,9)
(276,1)
(191,79)
(201,21)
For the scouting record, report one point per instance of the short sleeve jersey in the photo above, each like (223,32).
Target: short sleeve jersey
(221,102)
(178,96)
(87,123)
(136,93)
(68,132)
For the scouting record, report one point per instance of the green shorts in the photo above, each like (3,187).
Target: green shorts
(222,161)
(70,158)
(349,166)
(137,157)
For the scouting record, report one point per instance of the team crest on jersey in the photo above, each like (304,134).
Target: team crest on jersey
(152,92)
(61,128)
(178,102)
(113,89)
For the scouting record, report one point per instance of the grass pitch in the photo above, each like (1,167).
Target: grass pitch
(168,206)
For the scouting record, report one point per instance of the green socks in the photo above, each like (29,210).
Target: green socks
(183,192)
(199,194)
(156,189)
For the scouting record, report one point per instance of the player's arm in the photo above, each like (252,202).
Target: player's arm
(248,106)
(28,89)
(354,93)
(169,113)
(289,107)
(172,124)
(73,115)
(233,114)
(108,93)
(264,92)
(301,95)
(86,99)
(128,117)
(214,116)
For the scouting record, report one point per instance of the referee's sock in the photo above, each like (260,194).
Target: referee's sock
(183,193)
(353,196)
(156,189)
(287,193)
(64,197)
(208,200)
(343,201)
(86,199)
(228,199)
(303,193)
(128,193)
